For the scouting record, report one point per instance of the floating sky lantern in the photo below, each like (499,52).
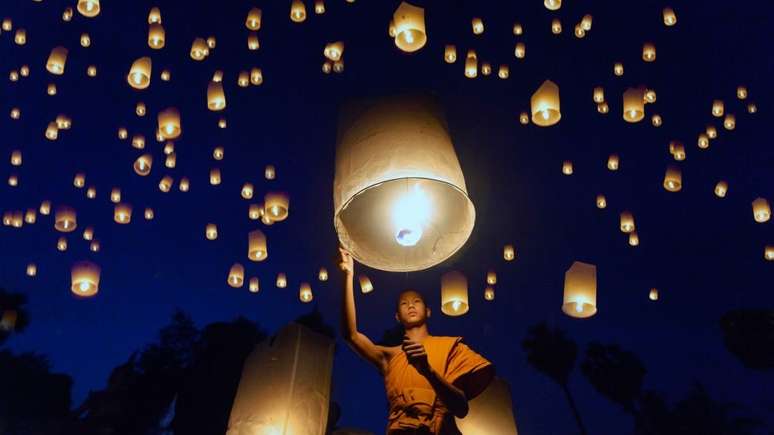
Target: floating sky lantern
(627,222)
(601,201)
(277,205)
(254,285)
(282,280)
(140,73)
(169,148)
(509,253)
(454,294)
(586,22)
(211,42)
(524,118)
(156,36)
(520,51)
(670,19)
(13,180)
(154,16)
(768,252)
(613,162)
(88,8)
(599,94)
(650,96)
(761,210)
(32,270)
(546,105)
(91,71)
(67,14)
(717,108)
(84,278)
(486,68)
(138,141)
(57,60)
(556,26)
(489,293)
(334,50)
(88,233)
(673,180)
(552,5)
(169,123)
(122,213)
(94,246)
(649,52)
(322,275)
(61,244)
(327,67)
(184,184)
(618,69)
(579,31)
(633,105)
(256,246)
(653,294)
(7,24)
(365,284)
(634,239)
(63,122)
(711,131)
(729,122)
(91,192)
(518,29)
(338,66)
(149,214)
(253,21)
(471,65)
(409,22)
(491,277)
(580,290)
(399,206)
(199,49)
(721,189)
(450,53)
(256,76)
(85,40)
(16,113)
(503,72)
(247,191)
(603,108)
(567,167)
(20,37)
(165,75)
(215,176)
(16,158)
(656,120)
(211,231)
(478,25)
(122,133)
(140,109)
(216,98)
(142,166)
(13,76)
(319,7)
(45,208)
(752,108)
(305,293)
(255,211)
(741,92)
(297,11)
(115,195)
(236,276)
(52,131)
(65,219)
(703,141)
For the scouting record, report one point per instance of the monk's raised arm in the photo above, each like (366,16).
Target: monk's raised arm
(362,345)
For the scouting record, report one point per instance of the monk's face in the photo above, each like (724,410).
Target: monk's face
(412,310)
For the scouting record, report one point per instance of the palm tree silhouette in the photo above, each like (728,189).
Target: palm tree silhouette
(614,373)
(749,335)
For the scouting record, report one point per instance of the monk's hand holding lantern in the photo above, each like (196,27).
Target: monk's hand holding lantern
(346,264)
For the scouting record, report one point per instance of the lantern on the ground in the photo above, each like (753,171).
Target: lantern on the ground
(169,123)
(670,19)
(649,52)
(546,104)
(276,205)
(633,105)
(256,246)
(57,60)
(64,219)
(673,180)
(282,280)
(580,290)
(454,294)
(761,210)
(627,222)
(297,11)
(84,278)
(509,253)
(365,284)
(236,276)
(601,201)
(305,293)
(400,199)
(721,189)
(409,21)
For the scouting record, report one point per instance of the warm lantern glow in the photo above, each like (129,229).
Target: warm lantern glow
(752,108)
(491,277)
(305,293)
(717,108)
(254,285)
(13,180)
(169,123)
(322,275)
(20,37)
(138,141)
(518,29)
(215,176)
(84,277)
(627,222)
(656,120)
(334,50)
(721,189)
(579,32)
(703,141)
(91,192)
(253,21)
(489,293)
(45,208)
(297,11)
(85,40)
(91,71)
(634,239)
(236,276)
(319,7)
(729,123)
(520,51)
(450,53)
(282,280)
(199,49)
(618,69)
(486,68)
(601,201)
(88,8)
(768,252)
(741,92)
(545,105)
(140,73)
(567,167)
(454,294)
(211,232)
(399,206)
(599,94)
(471,66)
(673,180)
(524,118)
(61,244)
(256,249)
(140,109)
(165,185)
(154,16)
(32,270)
(52,131)
(552,5)
(16,158)
(165,75)
(509,253)
(247,191)
(184,184)
(142,166)
(64,219)
(503,72)
(88,233)
(653,295)
(586,22)
(115,195)
(556,26)
(211,42)
(580,290)
(57,60)
(94,246)
(649,52)
(603,108)
(256,76)
(216,98)
(277,205)
(122,213)
(670,19)
(149,214)
(612,162)
(365,284)
(156,36)
(478,26)
(409,21)
(633,105)
(761,210)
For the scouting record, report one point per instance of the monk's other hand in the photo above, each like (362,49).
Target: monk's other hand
(416,355)
(346,264)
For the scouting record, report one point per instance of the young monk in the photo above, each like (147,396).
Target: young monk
(429,379)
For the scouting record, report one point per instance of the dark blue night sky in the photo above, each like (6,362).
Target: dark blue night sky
(704,254)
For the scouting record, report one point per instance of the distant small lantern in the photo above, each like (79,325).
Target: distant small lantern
(254,285)
(579,32)
(717,108)
(741,92)
(471,66)
(761,210)
(88,234)
(256,76)
(282,280)
(670,19)
(154,16)
(552,5)
(140,109)
(32,270)
(711,131)
(65,219)
(88,8)
(212,42)
(338,66)
(703,141)
(618,69)
(91,71)
(63,122)
(169,148)
(319,7)
(255,211)
(13,76)
(567,167)
(518,29)
(391,29)
(266,219)
(84,278)
(138,141)
(236,276)
(247,191)
(520,51)
(450,53)
(149,214)
(67,14)
(94,246)
(503,72)
(61,244)
(580,290)
(253,21)
(627,222)
(305,293)
(211,232)
(30,216)
(184,185)
(217,76)
(52,131)
(478,26)
(365,284)
(729,123)
(486,68)
(165,75)
(334,50)
(613,162)
(768,253)
(297,11)
(16,158)
(7,24)
(545,105)
(122,213)
(653,295)
(115,195)
(509,253)
(454,294)
(244,79)
(85,40)
(721,189)
(169,123)
(603,108)
(16,113)
(489,294)
(140,73)
(122,133)
(199,49)
(253,43)
(216,98)
(633,105)
(634,239)
(277,205)
(57,60)
(601,201)
(165,185)
(491,277)
(45,208)
(215,176)
(20,37)
(24,71)
(256,246)
(752,108)
(217,153)
(79,180)
(649,52)
(673,180)
(556,26)
(599,94)
(524,118)
(142,166)
(409,22)
(586,22)
(91,192)
(322,275)
(13,180)
(156,36)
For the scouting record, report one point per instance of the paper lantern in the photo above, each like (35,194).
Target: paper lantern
(703,141)
(88,8)
(454,294)
(503,72)
(169,123)
(256,76)
(266,219)
(721,188)
(211,42)
(247,191)
(7,24)
(546,105)
(154,16)
(761,210)
(656,120)
(579,31)
(524,118)
(277,205)
(580,290)
(670,19)
(169,148)
(91,192)
(211,232)
(94,246)
(216,98)
(140,109)
(450,53)
(491,412)
(138,141)
(650,96)
(586,22)
(254,285)
(319,7)
(305,293)
(478,26)
(13,76)
(16,158)
(16,113)
(286,386)
(122,133)
(518,29)
(567,167)
(729,123)
(741,92)
(52,131)
(486,68)
(282,280)
(156,36)
(556,26)
(115,195)
(648,52)
(63,122)
(165,75)
(711,131)
(199,49)
(215,176)
(84,278)
(673,181)
(32,270)
(768,252)
(256,246)
(717,108)
(236,276)
(752,108)
(613,162)
(634,239)
(253,21)
(322,275)
(603,108)
(297,11)
(91,71)
(88,234)
(552,5)
(520,51)
(409,22)
(142,166)
(45,208)
(489,293)
(57,60)
(67,14)
(601,201)
(24,71)
(140,73)
(599,94)
(365,284)
(184,184)
(627,222)
(20,37)
(471,66)
(400,198)
(334,50)
(491,277)
(633,105)
(653,295)
(18,219)
(61,244)
(85,40)
(13,180)
(122,213)
(509,253)
(64,219)
(149,214)
(338,66)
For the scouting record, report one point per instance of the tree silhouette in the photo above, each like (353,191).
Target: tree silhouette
(13,314)
(614,373)
(700,414)
(553,354)
(749,335)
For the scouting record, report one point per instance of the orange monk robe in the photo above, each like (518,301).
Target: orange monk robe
(414,407)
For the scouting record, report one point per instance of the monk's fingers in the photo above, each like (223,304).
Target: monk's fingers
(415,346)
(415,353)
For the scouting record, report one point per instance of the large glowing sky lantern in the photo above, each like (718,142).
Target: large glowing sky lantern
(399,195)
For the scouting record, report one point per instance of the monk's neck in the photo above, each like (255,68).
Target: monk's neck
(418,333)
